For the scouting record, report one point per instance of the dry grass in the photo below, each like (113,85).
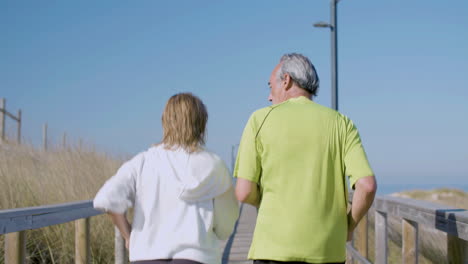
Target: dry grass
(30,177)
(444,196)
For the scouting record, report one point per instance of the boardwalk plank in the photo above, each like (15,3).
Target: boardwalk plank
(237,247)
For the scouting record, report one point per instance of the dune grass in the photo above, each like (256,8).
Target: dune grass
(31,177)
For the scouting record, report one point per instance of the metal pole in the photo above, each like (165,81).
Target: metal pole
(64,140)
(334,54)
(2,119)
(232,159)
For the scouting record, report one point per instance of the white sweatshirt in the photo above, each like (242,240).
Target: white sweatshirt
(184,204)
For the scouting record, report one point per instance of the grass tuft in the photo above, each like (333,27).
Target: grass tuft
(31,177)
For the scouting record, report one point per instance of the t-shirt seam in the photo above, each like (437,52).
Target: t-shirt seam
(264,119)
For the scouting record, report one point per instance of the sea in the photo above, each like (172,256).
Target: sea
(385,189)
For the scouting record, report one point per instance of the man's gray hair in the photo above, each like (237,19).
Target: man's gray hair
(301,70)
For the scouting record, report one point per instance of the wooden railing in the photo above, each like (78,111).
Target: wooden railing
(413,213)
(15,222)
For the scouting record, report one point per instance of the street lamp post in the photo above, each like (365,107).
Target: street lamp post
(334,51)
(233,156)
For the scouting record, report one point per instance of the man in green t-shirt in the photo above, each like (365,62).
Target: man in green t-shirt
(292,162)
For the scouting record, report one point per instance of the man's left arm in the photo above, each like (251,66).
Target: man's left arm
(361,176)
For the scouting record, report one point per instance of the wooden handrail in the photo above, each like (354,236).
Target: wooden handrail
(14,223)
(414,213)
(452,221)
(447,219)
(15,220)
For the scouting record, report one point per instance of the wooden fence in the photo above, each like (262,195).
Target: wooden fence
(45,139)
(15,222)
(413,213)
(4,113)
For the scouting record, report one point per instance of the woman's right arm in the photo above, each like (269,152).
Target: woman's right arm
(226,212)
(118,193)
(121,222)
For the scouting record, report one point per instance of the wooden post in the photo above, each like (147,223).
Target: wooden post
(15,248)
(64,140)
(362,239)
(381,248)
(119,248)
(18,133)
(82,245)
(2,119)
(457,250)
(410,247)
(44,137)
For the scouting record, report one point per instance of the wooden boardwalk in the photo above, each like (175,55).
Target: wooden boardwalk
(237,246)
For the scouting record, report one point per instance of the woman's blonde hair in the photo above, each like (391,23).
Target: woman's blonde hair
(184,122)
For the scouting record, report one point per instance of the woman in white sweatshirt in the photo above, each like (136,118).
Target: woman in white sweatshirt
(182,195)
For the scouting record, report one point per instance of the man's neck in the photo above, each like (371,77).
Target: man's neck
(295,92)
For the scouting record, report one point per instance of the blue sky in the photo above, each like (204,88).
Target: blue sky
(103,70)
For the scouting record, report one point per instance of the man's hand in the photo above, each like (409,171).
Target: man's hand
(127,243)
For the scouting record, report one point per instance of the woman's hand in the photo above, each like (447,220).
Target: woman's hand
(121,222)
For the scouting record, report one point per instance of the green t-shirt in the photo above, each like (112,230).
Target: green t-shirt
(299,152)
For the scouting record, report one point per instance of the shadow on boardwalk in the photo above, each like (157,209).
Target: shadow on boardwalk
(237,246)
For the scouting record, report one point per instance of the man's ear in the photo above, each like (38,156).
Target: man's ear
(287,81)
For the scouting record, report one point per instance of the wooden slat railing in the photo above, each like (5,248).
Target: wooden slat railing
(15,222)
(413,213)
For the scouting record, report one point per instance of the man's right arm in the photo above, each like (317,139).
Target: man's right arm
(365,189)
(248,165)
(247,192)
